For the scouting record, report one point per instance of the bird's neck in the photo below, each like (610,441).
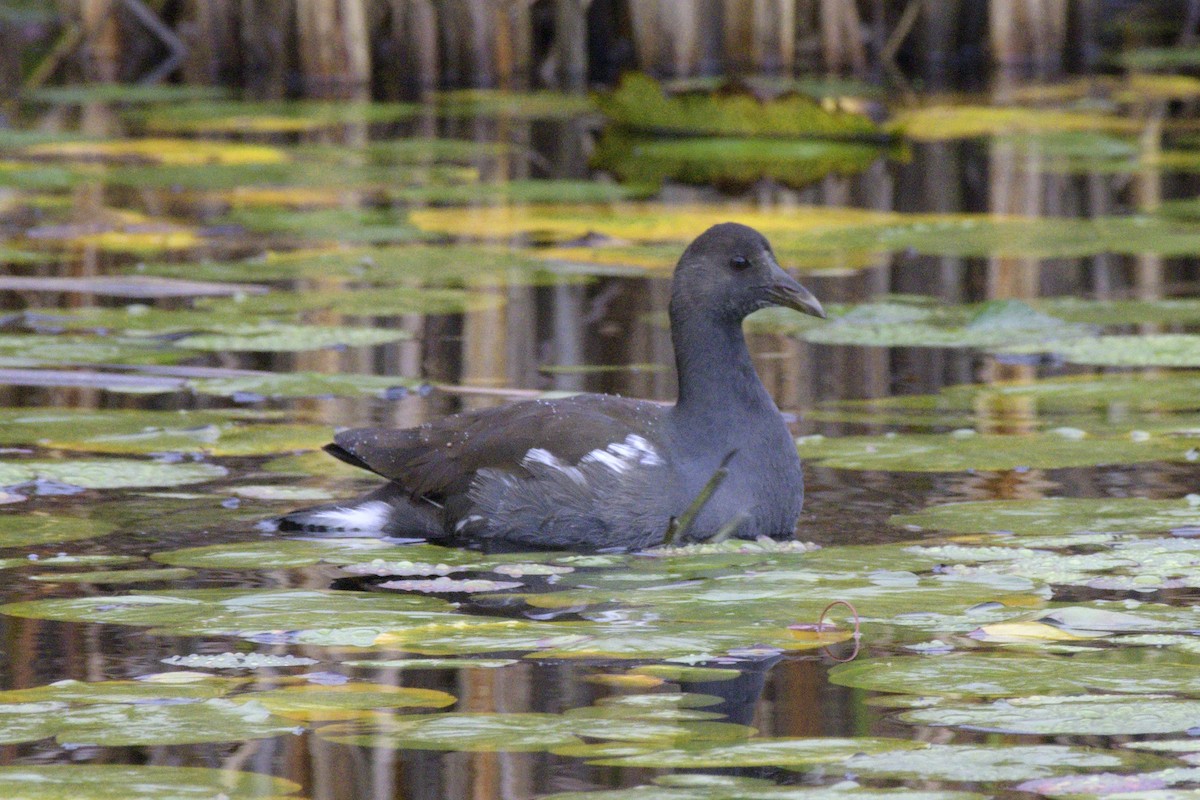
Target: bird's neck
(716,375)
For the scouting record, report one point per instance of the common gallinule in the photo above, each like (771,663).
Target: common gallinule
(597,472)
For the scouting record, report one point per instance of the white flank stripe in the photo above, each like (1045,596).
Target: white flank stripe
(370,516)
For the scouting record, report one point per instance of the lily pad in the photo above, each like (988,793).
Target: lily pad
(160,151)
(1013,675)
(277,116)
(640,103)
(1056,516)
(721,787)
(127,724)
(302,384)
(518,105)
(776,752)
(267,338)
(1093,715)
(232,611)
(1151,350)
(128,93)
(422,265)
(953,453)
(794,162)
(314,702)
(939,122)
(518,732)
(136,782)
(116,576)
(25,530)
(111,473)
(976,763)
(32,350)
(217,440)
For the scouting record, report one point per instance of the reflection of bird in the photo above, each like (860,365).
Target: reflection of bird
(594,471)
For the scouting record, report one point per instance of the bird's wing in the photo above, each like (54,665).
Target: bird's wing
(441,457)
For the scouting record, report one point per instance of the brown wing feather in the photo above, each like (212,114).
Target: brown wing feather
(441,457)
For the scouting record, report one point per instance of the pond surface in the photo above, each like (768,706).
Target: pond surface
(994,583)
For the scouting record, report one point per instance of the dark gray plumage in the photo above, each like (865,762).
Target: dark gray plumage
(594,472)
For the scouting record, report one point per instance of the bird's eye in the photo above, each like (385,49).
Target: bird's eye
(739,262)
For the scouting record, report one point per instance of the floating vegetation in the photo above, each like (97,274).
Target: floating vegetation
(1147,350)
(640,103)
(160,151)
(726,161)
(722,787)
(126,93)
(121,576)
(1091,715)
(1058,516)
(277,337)
(238,661)
(962,675)
(202,708)
(954,452)
(996,324)
(979,763)
(774,752)
(520,732)
(226,439)
(109,473)
(240,117)
(100,781)
(516,105)
(412,265)
(27,530)
(939,122)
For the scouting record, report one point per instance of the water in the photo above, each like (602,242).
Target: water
(535,313)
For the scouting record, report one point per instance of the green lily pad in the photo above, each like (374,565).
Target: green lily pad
(1013,675)
(115,692)
(640,103)
(350,225)
(34,350)
(1141,392)
(111,473)
(232,611)
(216,720)
(996,324)
(65,560)
(373,302)
(954,453)
(131,93)
(1056,516)
(518,105)
(302,384)
(277,337)
(420,265)
(679,672)
(1151,350)
(276,553)
(432,663)
(272,116)
(939,122)
(777,752)
(1094,715)
(983,764)
(794,162)
(136,782)
(315,702)
(33,425)
(518,732)
(723,787)
(26,530)
(217,440)
(116,576)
